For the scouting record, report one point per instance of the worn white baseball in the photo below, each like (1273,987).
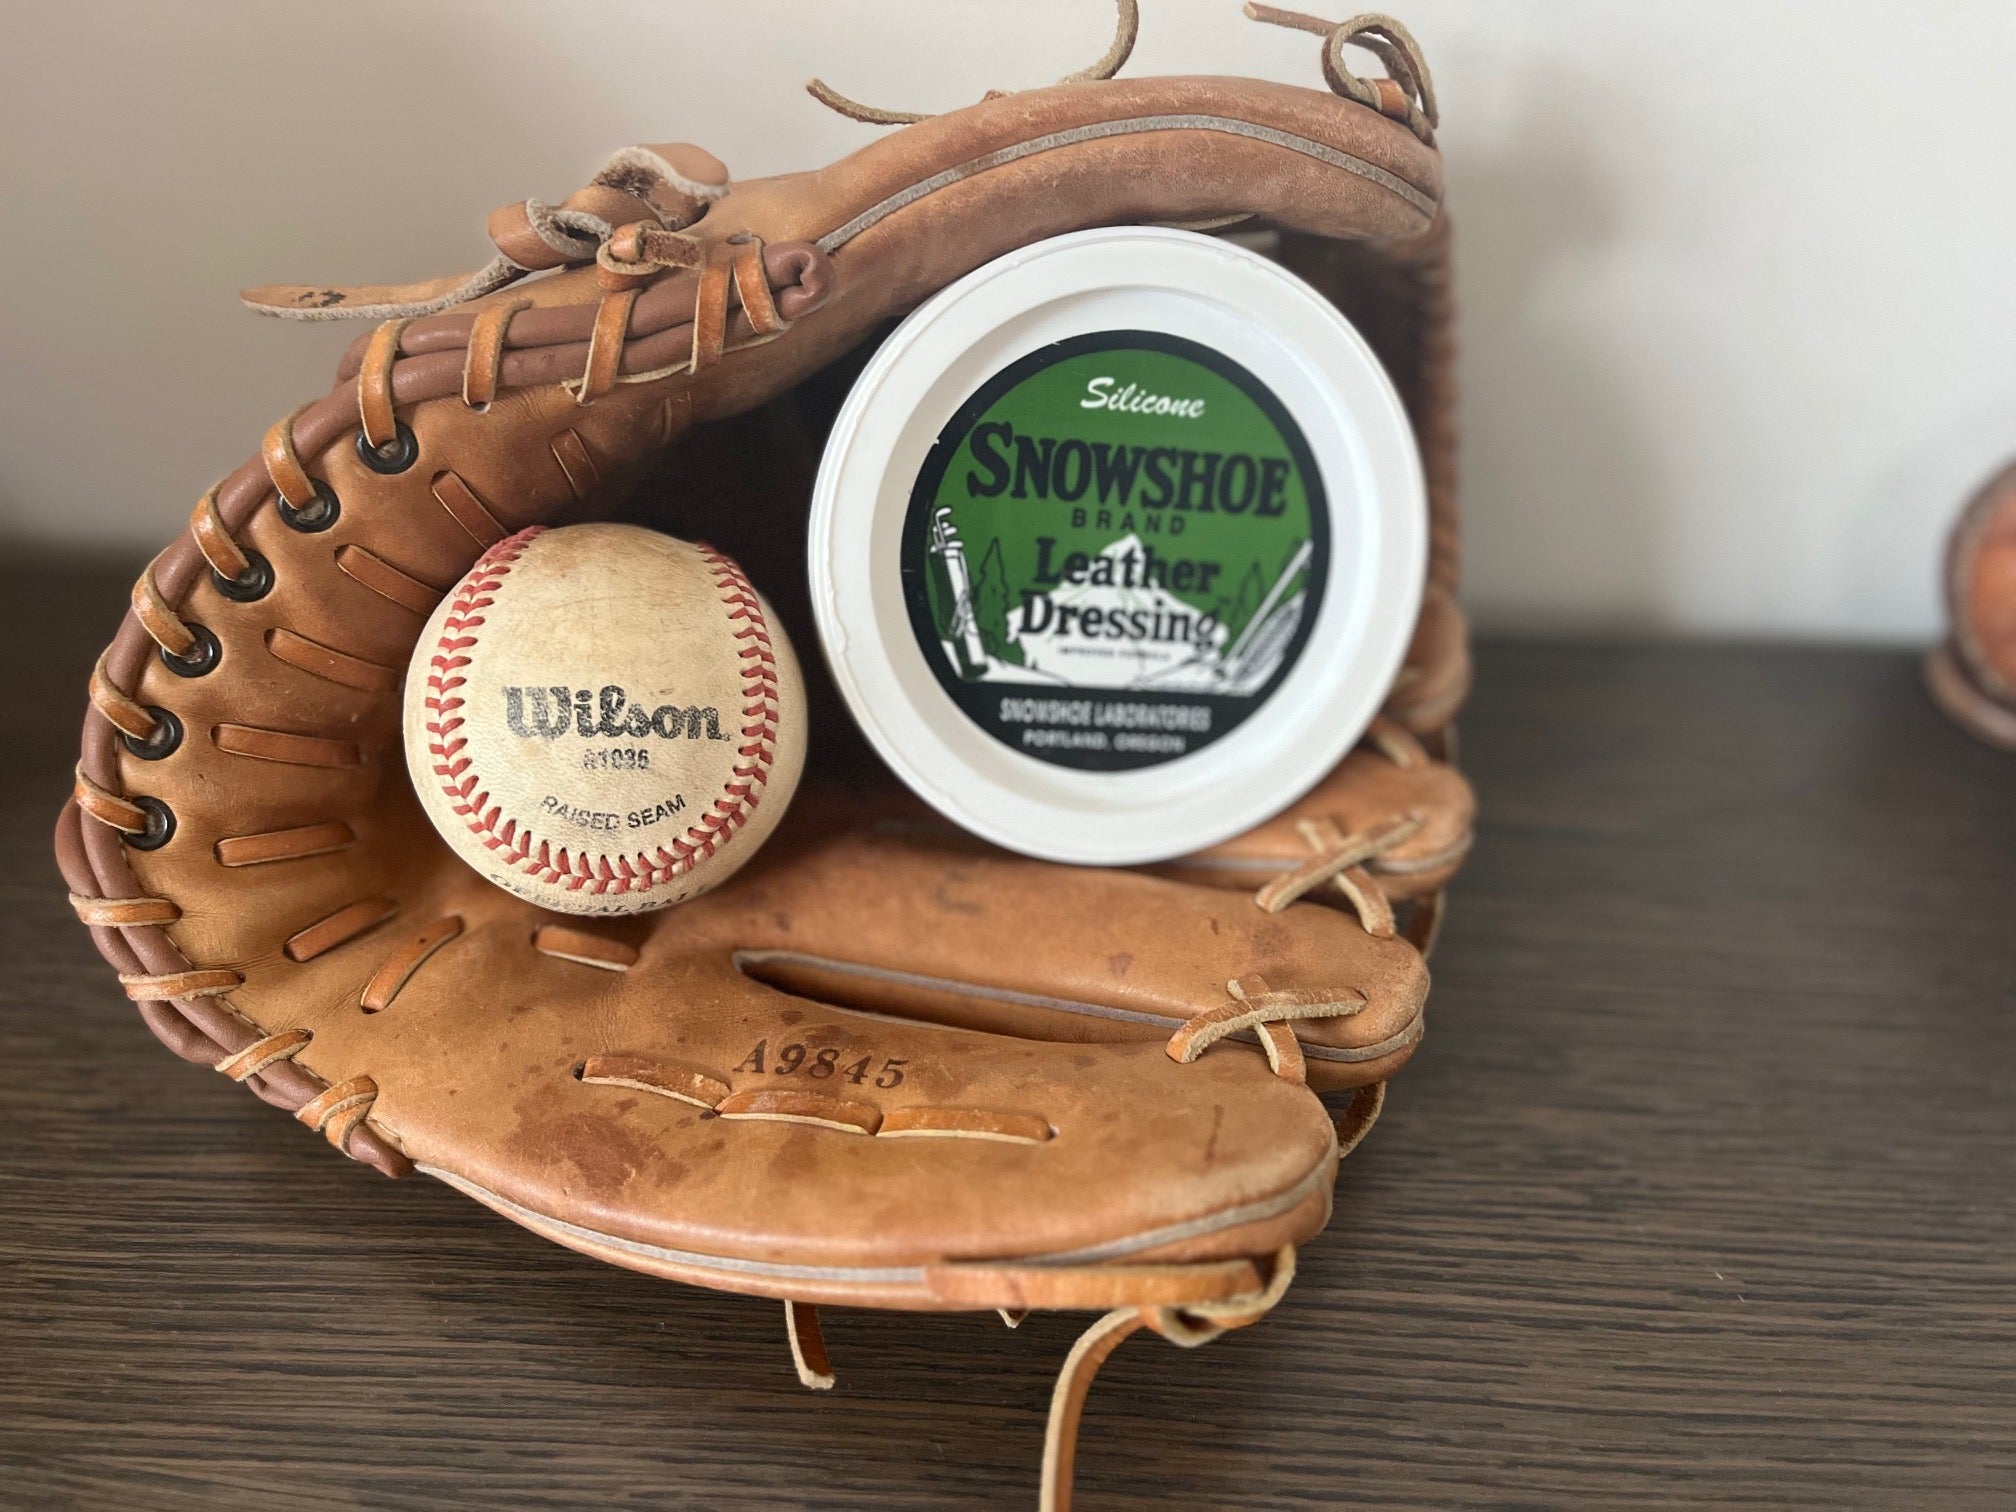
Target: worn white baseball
(604,720)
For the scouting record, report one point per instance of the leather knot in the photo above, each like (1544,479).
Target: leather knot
(651,192)
(1408,96)
(640,251)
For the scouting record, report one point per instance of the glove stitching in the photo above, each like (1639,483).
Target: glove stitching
(784,1105)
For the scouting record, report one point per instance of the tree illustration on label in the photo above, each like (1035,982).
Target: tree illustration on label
(990,607)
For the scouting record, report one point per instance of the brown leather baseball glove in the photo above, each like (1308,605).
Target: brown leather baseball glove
(885,1065)
(1973,676)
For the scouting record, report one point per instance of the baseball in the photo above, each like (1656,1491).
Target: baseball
(604,720)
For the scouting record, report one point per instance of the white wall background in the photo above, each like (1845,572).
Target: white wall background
(1737,274)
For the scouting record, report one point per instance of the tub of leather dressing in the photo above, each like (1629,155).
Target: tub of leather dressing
(1117,545)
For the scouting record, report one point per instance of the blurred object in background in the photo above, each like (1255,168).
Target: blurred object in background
(1973,676)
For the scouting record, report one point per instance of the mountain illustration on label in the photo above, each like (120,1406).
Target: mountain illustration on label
(1114,550)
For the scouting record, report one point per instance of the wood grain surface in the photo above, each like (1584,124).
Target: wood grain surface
(1702,1191)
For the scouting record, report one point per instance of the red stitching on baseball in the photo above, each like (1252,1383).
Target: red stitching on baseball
(520,848)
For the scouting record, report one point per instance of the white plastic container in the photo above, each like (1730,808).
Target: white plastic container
(1117,545)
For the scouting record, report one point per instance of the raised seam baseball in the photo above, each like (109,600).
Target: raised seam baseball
(598,873)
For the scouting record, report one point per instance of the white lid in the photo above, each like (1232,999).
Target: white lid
(1140,724)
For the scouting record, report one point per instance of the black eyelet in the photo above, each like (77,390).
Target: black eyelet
(255,582)
(319,513)
(164,741)
(395,456)
(201,657)
(160,824)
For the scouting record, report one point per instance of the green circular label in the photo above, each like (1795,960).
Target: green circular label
(1115,550)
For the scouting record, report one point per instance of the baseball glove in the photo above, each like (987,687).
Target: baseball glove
(1973,676)
(885,1065)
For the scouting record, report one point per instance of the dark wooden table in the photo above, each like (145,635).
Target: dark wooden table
(1702,1192)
